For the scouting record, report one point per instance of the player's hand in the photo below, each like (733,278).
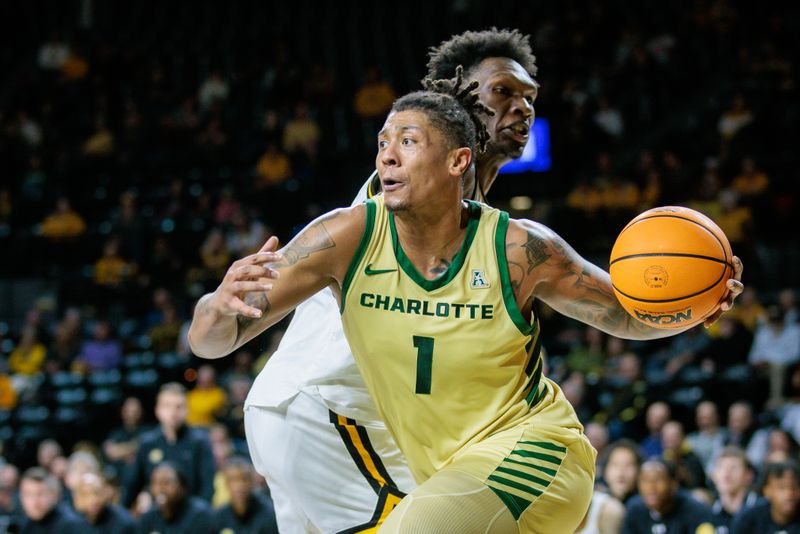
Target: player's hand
(246,276)
(735,288)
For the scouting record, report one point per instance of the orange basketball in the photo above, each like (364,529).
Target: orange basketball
(669,267)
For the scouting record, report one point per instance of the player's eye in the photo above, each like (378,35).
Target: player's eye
(383,143)
(407,141)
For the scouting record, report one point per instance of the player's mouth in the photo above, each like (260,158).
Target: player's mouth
(519,132)
(390,184)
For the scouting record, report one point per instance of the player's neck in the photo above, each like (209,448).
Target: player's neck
(486,169)
(432,236)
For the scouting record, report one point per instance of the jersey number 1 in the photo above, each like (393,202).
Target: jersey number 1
(424,347)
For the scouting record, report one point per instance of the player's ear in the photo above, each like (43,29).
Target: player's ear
(460,159)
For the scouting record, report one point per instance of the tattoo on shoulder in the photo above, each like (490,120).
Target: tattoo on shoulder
(535,250)
(314,239)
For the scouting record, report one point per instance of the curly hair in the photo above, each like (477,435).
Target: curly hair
(453,108)
(470,48)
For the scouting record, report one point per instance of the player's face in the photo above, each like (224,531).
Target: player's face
(783,494)
(510,92)
(37,499)
(655,486)
(620,473)
(413,161)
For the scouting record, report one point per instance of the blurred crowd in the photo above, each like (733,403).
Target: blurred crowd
(142,155)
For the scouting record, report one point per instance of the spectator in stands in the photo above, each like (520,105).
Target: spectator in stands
(53,53)
(625,396)
(8,395)
(733,477)
(27,358)
(375,96)
(123,442)
(776,343)
(749,310)
(206,399)
(232,415)
(302,134)
(112,270)
(63,223)
(779,514)
(213,90)
(101,353)
(619,471)
(9,500)
(91,498)
(608,119)
(662,506)
(689,470)
(742,431)
(215,255)
(164,335)
(246,236)
(47,451)
(751,181)
(588,356)
(63,349)
(597,434)
(707,439)
(39,494)
(101,142)
(781,446)
(249,511)
(173,441)
(273,168)
(175,510)
(80,463)
(728,347)
(735,118)
(656,417)
(222,449)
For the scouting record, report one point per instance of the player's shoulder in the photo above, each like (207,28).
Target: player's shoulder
(519,229)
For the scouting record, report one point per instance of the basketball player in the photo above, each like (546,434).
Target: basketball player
(313,431)
(450,356)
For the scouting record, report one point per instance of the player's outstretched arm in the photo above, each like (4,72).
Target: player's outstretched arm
(542,265)
(259,290)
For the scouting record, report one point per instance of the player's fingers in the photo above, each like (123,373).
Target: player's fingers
(270,246)
(713,319)
(738,268)
(253,271)
(237,305)
(249,286)
(264,257)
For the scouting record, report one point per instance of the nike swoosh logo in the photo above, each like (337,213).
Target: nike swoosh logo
(369,271)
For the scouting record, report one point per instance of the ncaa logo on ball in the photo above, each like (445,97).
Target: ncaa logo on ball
(656,276)
(675,317)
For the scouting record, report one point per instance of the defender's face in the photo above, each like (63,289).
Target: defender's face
(412,160)
(510,92)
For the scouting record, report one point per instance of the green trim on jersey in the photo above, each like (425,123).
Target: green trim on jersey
(362,248)
(508,292)
(452,269)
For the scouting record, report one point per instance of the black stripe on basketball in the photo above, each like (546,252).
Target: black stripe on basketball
(677,216)
(673,255)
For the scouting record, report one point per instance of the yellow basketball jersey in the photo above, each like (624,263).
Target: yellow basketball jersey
(447,361)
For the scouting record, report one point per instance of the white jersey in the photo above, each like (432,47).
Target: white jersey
(314,357)
(592,525)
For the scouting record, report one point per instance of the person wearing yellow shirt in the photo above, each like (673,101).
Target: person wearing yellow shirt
(273,167)
(206,399)
(28,357)
(751,181)
(64,222)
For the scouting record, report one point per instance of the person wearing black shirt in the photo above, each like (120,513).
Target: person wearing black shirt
(91,500)
(249,512)
(174,511)
(173,441)
(780,513)
(40,493)
(661,507)
(732,476)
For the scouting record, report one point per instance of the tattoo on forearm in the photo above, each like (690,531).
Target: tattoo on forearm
(314,239)
(535,251)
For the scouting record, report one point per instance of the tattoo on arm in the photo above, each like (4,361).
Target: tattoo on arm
(314,239)
(535,251)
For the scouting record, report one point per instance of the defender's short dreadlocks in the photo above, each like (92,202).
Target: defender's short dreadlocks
(452,108)
(470,48)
